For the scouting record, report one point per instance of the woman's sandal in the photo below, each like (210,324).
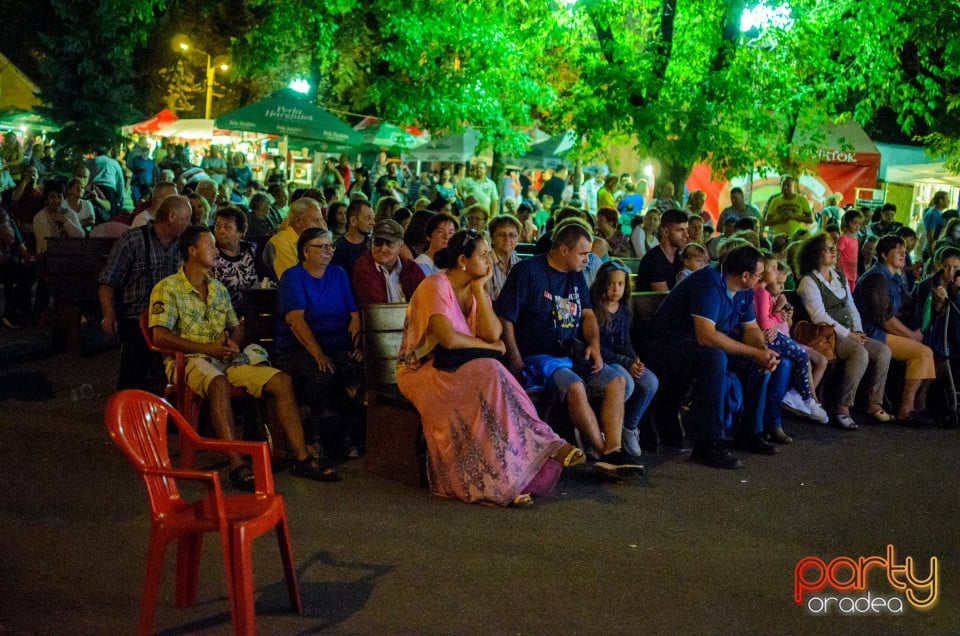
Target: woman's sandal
(881,416)
(569,455)
(242,478)
(522,501)
(846,422)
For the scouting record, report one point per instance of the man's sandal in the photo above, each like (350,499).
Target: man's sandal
(242,478)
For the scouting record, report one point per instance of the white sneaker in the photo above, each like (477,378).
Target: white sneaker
(631,441)
(793,403)
(815,411)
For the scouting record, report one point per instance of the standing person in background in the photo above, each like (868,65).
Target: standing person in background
(107,175)
(591,188)
(239,171)
(346,174)
(738,208)
(481,189)
(665,200)
(933,221)
(832,212)
(788,211)
(848,246)
(605,196)
(215,164)
(12,155)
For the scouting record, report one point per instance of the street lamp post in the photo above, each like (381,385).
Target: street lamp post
(182,44)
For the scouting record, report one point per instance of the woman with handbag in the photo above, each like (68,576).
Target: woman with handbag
(485,441)
(827,298)
(887,308)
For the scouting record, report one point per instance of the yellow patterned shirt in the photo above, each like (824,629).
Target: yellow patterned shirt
(176,305)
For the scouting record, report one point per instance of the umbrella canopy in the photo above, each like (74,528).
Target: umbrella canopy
(284,114)
(188,129)
(455,147)
(549,153)
(152,125)
(27,120)
(377,135)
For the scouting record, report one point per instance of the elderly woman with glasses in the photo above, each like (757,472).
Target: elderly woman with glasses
(318,339)
(485,441)
(827,298)
(504,233)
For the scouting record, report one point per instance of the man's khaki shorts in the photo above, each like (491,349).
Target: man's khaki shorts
(201,370)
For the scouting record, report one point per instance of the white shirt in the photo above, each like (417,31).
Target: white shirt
(641,243)
(45,228)
(427,265)
(809,293)
(394,289)
(588,193)
(142,219)
(85,215)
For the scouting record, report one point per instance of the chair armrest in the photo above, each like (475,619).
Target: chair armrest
(259,457)
(212,480)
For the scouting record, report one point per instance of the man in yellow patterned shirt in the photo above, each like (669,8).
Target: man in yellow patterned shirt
(191,312)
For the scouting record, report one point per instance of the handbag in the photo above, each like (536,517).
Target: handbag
(576,350)
(451,359)
(821,337)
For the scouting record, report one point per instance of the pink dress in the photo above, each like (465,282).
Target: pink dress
(847,252)
(485,441)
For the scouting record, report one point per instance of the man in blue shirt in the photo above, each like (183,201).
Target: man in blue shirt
(706,327)
(545,306)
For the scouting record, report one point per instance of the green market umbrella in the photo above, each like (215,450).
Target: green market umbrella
(29,120)
(284,114)
(388,136)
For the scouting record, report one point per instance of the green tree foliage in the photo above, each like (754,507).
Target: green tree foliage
(86,72)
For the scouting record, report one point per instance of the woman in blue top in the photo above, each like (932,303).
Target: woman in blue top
(886,306)
(318,339)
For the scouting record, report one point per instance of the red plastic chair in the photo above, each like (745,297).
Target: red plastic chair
(137,422)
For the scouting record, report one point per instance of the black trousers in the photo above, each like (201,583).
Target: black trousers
(140,368)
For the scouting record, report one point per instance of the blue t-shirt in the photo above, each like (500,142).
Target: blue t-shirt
(933,220)
(631,205)
(545,305)
(703,293)
(327,303)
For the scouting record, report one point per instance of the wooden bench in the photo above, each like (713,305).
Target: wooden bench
(259,316)
(71,267)
(396,447)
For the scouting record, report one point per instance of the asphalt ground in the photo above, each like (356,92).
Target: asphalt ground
(685,550)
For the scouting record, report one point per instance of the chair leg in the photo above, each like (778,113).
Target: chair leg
(188,569)
(151,585)
(289,571)
(244,610)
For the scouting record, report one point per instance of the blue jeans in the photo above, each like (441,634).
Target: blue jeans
(639,392)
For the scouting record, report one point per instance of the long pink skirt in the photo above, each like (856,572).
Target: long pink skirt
(485,442)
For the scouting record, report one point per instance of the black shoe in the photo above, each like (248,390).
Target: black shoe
(310,468)
(755,444)
(619,464)
(715,455)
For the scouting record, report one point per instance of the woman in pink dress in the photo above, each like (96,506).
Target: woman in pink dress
(485,441)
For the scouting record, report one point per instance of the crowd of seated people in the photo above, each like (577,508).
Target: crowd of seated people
(559,320)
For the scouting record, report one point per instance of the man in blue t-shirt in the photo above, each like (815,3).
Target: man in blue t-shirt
(545,308)
(706,327)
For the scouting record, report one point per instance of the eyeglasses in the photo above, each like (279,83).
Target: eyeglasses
(326,247)
(513,236)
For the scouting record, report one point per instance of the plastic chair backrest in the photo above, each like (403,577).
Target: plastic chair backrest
(137,422)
